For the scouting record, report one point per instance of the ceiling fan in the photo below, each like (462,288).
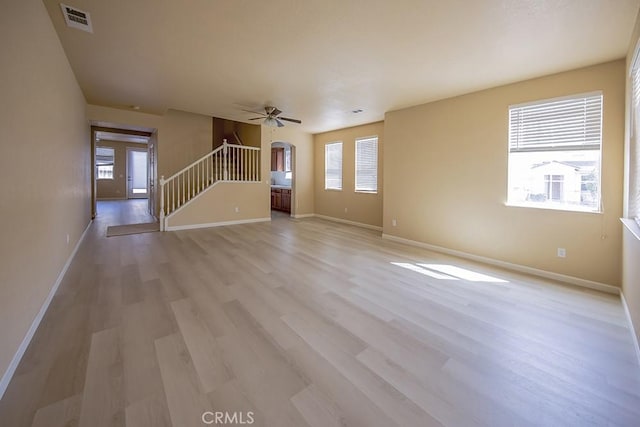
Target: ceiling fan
(271,117)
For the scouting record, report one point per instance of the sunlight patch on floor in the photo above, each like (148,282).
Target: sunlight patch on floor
(424,271)
(448,272)
(462,273)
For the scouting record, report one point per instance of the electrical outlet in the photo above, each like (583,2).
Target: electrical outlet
(346,210)
(394,222)
(562,253)
(67,238)
(237,209)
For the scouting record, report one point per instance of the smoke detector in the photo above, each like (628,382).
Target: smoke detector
(76,18)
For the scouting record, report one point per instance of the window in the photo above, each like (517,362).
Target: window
(104,162)
(333,166)
(633,208)
(287,159)
(367,164)
(554,153)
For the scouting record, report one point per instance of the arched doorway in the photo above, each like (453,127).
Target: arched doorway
(282,178)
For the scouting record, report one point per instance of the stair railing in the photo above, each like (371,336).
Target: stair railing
(227,163)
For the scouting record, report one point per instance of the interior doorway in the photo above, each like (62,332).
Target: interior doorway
(124,164)
(282,179)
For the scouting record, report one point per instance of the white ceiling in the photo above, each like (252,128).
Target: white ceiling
(319,60)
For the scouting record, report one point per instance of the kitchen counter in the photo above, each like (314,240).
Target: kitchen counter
(285,187)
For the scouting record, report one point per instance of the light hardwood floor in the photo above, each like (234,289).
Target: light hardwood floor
(307,322)
(122,212)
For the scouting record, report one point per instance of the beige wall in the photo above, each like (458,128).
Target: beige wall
(182,139)
(222,128)
(250,135)
(361,207)
(446,179)
(45,163)
(116,188)
(218,204)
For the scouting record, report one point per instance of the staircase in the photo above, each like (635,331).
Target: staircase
(227,163)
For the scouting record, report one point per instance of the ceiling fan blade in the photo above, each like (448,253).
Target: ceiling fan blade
(275,112)
(291,120)
(252,112)
(280,124)
(257,118)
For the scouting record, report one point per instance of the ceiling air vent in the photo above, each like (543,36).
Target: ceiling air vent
(76,18)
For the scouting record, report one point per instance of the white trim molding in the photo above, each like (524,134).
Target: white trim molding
(11,369)
(510,266)
(215,224)
(346,221)
(631,326)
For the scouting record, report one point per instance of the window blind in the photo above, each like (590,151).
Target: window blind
(571,123)
(633,210)
(333,166)
(367,164)
(104,156)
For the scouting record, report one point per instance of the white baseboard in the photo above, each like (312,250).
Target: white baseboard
(510,266)
(6,377)
(298,216)
(631,326)
(215,224)
(346,221)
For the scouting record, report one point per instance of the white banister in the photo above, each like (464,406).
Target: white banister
(162,203)
(227,163)
(225,151)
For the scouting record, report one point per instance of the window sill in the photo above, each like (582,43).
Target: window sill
(366,192)
(552,208)
(333,189)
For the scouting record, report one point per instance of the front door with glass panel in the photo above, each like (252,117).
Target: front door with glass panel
(137,174)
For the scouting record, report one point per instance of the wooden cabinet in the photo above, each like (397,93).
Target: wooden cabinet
(277,159)
(281,199)
(286,200)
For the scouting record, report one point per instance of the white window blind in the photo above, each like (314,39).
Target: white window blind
(367,164)
(571,123)
(333,166)
(633,210)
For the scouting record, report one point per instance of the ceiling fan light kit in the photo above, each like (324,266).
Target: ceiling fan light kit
(270,121)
